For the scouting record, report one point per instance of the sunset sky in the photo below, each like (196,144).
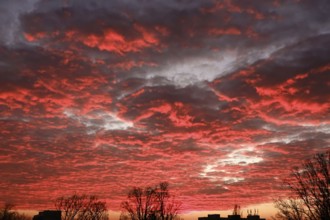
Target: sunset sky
(219,98)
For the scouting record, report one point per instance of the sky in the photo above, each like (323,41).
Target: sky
(219,98)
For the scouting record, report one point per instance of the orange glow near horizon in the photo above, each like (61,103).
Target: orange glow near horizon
(266,210)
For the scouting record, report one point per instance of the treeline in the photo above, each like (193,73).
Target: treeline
(149,203)
(7,213)
(82,207)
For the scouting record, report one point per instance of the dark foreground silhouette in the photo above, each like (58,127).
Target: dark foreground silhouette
(230,217)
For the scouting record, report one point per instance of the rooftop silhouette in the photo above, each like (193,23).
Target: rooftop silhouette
(231,217)
(48,215)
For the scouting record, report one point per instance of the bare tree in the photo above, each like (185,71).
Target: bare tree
(81,207)
(289,209)
(310,188)
(150,203)
(70,206)
(7,213)
(140,203)
(93,209)
(168,207)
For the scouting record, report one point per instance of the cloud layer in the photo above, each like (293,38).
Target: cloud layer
(219,98)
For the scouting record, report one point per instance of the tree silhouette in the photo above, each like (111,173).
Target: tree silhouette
(310,191)
(167,206)
(81,207)
(150,203)
(7,213)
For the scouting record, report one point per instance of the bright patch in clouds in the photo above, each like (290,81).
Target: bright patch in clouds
(99,120)
(241,157)
(194,70)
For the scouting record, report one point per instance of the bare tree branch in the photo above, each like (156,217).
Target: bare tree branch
(150,203)
(81,207)
(310,186)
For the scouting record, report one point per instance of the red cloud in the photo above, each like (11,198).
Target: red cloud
(114,41)
(228,31)
(34,37)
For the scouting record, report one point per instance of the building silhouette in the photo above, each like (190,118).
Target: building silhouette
(48,215)
(231,217)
